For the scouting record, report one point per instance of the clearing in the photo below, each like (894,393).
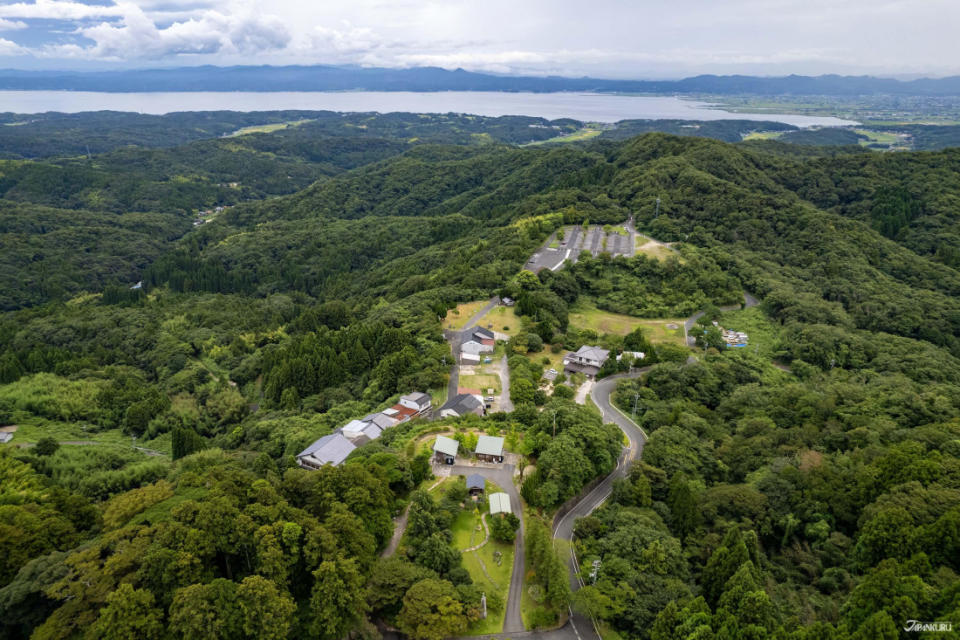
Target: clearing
(504,320)
(653,248)
(583,316)
(577,136)
(267,128)
(481,382)
(457,318)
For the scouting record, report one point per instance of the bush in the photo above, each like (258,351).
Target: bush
(46,447)
(504,528)
(563,391)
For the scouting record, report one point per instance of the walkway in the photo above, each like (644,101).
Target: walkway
(486,538)
(399,527)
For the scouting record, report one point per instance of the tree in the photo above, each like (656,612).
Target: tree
(432,611)
(130,614)
(265,611)
(46,446)
(206,611)
(186,441)
(683,506)
(337,601)
(390,580)
(504,528)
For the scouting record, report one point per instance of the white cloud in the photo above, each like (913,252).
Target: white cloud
(58,10)
(8,48)
(11,25)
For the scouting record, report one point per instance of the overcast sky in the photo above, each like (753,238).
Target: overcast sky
(603,38)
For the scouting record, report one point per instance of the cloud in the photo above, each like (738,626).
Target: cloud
(8,48)
(58,10)
(11,25)
(136,36)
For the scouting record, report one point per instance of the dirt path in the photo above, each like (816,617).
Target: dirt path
(486,538)
(506,404)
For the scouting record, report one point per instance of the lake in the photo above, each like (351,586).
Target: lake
(589,107)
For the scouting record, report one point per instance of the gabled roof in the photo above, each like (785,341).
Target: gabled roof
(475,481)
(593,353)
(500,503)
(354,426)
(483,333)
(333,449)
(381,420)
(419,397)
(446,445)
(465,403)
(490,445)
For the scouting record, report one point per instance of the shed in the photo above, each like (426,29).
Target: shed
(445,449)
(499,503)
(475,484)
(490,448)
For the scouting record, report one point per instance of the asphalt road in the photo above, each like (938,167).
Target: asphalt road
(503,476)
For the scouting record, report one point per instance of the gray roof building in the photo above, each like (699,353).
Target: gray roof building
(445,445)
(490,445)
(332,449)
(499,503)
(482,334)
(416,400)
(461,405)
(381,420)
(475,481)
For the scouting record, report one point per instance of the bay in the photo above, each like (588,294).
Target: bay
(587,107)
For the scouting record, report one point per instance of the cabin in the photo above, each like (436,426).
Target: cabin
(332,449)
(499,503)
(418,401)
(445,450)
(489,448)
(586,360)
(475,484)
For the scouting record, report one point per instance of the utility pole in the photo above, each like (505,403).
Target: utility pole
(636,397)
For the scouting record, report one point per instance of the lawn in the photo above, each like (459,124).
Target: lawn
(585,316)
(763,334)
(504,320)
(556,359)
(482,381)
(457,318)
(652,249)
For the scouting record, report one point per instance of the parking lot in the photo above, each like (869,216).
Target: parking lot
(576,240)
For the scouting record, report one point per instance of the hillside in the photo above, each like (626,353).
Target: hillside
(803,487)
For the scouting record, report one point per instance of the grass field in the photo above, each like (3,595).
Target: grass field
(652,249)
(583,316)
(481,381)
(457,318)
(763,135)
(504,320)
(267,128)
(576,136)
(763,334)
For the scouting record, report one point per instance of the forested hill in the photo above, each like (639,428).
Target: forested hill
(332,78)
(806,487)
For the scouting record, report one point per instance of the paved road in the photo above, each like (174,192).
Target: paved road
(506,404)
(455,339)
(503,476)
(399,526)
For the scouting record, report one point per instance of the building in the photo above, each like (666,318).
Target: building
(461,405)
(507,301)
(357,428)
(631,355)
(499,503)
(475,484)
(5,437)
(586,360)
(380,419)
(418,401)
(489,448)
(469,358)
(445,450)
(332,449)
(476,347)
(484,336)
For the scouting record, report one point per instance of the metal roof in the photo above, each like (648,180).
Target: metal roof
(499,503)
(475,481)
(446,445)
(418,397)
(490,445)
(333,449)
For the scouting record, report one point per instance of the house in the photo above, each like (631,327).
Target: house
(489,448)
(587,360)
(332,449)
(445,450)
(475,484)
(380,419)
(462,405)
(418,401)
(484,336)
(476,347)
(360,428)
(499,503)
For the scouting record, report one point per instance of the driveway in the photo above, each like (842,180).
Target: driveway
(455,339)
(506,405)
(503,476)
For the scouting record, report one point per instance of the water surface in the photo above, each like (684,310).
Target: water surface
(588,107)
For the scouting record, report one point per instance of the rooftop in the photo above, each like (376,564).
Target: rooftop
(446,445)
(499,503)
(490,445)
(475,481)
(332,449)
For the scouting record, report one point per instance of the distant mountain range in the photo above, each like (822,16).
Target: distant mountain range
(331,78)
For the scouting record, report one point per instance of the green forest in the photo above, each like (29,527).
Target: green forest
(183,313)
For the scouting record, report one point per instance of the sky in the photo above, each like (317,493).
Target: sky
(601,38)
